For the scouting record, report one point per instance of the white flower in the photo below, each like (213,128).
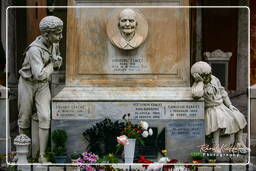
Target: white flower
(164,160)
(150,132)
(155,167)
(145,134)
(144,125)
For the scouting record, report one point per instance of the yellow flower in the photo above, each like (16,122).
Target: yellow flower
(195,161)
(164,151)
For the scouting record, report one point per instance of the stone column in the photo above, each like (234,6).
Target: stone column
(253,126)
(199,31)
(3,127)
(11,51)
(242,48)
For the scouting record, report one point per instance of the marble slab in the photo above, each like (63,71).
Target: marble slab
(184,137)
(138,110)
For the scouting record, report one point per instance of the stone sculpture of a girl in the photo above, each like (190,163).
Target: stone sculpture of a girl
(221,117)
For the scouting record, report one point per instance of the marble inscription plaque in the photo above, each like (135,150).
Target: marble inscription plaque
(71,110)
(184,137)
(181,129)
(129,65)
(138,110)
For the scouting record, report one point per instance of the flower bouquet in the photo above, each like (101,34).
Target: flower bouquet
(129,135)
(86,158)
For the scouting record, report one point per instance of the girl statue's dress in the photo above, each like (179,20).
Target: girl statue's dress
(217,114)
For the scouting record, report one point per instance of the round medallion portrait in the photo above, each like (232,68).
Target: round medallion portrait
(127,28)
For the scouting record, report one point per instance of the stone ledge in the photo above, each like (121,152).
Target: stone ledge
(124,94)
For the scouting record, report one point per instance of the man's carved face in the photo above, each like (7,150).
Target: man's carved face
(127,21)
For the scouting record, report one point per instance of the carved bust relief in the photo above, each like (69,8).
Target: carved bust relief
(127,29)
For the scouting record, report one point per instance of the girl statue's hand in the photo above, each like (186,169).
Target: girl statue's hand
(233,108)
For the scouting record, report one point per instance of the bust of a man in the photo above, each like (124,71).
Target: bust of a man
(127,25)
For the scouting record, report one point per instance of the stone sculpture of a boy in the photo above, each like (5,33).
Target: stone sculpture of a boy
(42,57)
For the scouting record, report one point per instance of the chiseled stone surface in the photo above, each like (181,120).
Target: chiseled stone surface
(124,94)
(124,167)
(2,125)
(137,109)
(72,168)
(253,119)
(3,136)
(205,168)
(184,137)
(252,167)
(24,168)
(92,59)
(137,167)
(56,168)
(218,168)
(40,168)
(103,80)
(238,167)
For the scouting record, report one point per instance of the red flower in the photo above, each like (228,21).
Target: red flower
(173,161)
(167,167)
(139,131)
(142,159)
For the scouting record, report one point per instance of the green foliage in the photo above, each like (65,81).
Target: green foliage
(133,131)
(102,136)
(110,158)
(32,160)
(49,156)
(59,138)
(59,151)
(197,155)
(75,156)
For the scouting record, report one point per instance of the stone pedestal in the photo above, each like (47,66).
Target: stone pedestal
(183,120)
(150,81)
(22,143)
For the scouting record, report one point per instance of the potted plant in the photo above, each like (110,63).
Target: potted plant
(59,138)
(197,157)
(211,158)
(74,157)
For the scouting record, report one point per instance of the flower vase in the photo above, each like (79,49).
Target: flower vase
(129,150)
